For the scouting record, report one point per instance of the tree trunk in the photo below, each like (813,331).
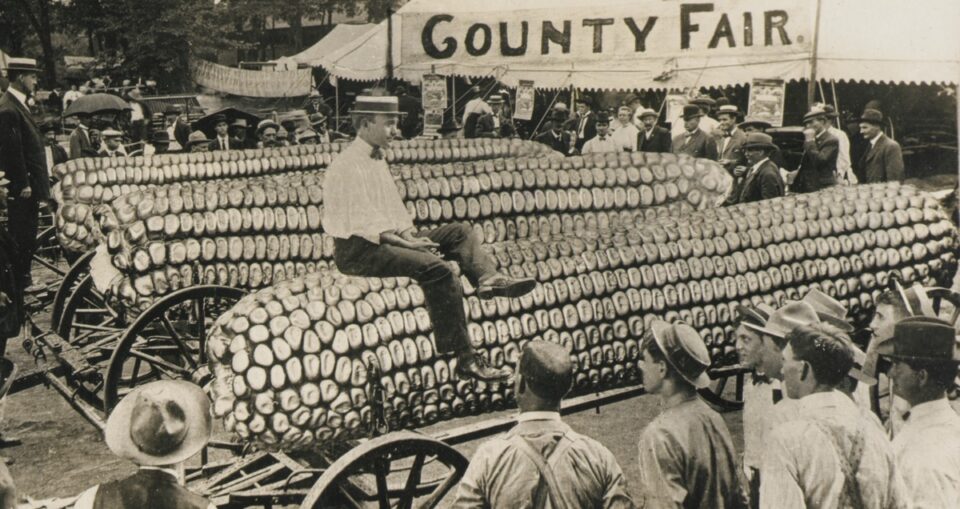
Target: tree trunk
(40,21)
(296,27)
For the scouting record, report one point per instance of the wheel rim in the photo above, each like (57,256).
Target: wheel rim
(721,395)
(68,286)
(88,319)
(401,469)
(167,341)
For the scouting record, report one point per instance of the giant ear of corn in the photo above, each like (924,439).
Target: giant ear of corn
(89,182)
(321,357)
(250,232)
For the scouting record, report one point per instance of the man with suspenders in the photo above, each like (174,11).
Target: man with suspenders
(541,462)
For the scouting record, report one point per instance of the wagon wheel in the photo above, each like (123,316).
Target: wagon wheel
(167,341)
(402,469)
(720,394)
(946,305)
(68,285)
(47,270)
(88,319)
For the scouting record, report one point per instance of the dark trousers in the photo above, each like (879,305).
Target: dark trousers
(441,288)
(22,223)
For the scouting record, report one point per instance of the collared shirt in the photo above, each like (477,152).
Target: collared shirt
(760,416)
(360,196)
(928,455)
(873,141)
(625,136)
(707,124)
(19,95)
(725,139)
(224,142)
(597,144)
(501,475)
(801,464)
(687,460)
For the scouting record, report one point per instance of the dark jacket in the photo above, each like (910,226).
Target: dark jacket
(486,129)
(235,144)
(21,149)
(471,127)
(181,132)
(59,154)
(410,122)
(883,162)
(147,489)
(11,315)
(659,140)
(561,144)
(80,145)
(818,165)
(763,184)
(697,145)
(733,151)
(589,128)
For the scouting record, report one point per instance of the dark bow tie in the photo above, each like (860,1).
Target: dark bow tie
(602,138)
(761,379)
(376,153)
(727,135)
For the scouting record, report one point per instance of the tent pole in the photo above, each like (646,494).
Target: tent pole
(811,85)
(389,43)
(336,103)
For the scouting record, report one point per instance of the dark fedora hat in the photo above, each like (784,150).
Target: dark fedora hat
(816,112)
(922,338)
(752,122)
(757,315)
(684,350)
(759,140)
(872,116)
(160,136)
(22,65)
(690,111)
(220,118)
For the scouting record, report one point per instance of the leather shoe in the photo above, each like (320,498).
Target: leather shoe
(478,368)
(503,286)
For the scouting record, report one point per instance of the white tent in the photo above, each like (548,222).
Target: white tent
(341,35)
(621,46)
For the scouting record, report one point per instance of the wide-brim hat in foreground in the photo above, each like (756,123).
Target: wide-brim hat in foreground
(922,338)
(792,315)
(759,140)
(752,122)
(376,105)
(22,65)
(684,350)
(828,309)
(160,423)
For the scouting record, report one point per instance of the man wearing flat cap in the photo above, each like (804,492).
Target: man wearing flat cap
(883,160)
(542,459)
(112,144)
(157,426)
(924,357)
(818,164)
(374,236)
(694,141)
(832,454)
(223,140)
(687,457)
(23,162)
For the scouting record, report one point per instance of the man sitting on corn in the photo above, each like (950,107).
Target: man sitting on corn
(374,236)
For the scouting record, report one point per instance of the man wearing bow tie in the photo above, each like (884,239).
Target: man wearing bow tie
(694,142)
(603,141)
(374,236)
(729,138)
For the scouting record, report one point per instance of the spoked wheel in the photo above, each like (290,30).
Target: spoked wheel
(402,469)
(69,283)
(88,319)
(721,393)
(167,341)
(946,305)
(47,270)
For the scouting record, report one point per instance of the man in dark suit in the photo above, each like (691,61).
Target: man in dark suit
(818,165)
(729,138)
(54,154)
(652,138)
(586,127)
(759,126)
(23,161)
(761,180)
(177,128)
(694,142)
(495,124)
(412,110)
(80,143)
(224,141)
(883,160)
(556,138)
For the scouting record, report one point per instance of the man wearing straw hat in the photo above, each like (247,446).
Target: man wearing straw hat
(687,457)
(729,138)
(374,236)
(158,426)
(23,160)
(924,357)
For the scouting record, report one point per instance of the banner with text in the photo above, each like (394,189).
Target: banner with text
(526,96)
(251,83)
(662,39)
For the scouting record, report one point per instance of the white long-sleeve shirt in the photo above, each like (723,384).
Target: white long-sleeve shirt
(927,450)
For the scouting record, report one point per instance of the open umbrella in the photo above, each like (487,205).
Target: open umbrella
(206,123)
(96,103)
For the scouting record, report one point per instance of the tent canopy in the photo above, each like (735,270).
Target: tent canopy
(652,44)
(340,36)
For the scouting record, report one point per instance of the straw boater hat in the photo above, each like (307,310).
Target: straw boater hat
(922,338)
(828,309)
(792,315)
(266,124)
(22,65)
(160,423)
(759,140)
(376,105)
(684,350)
(729,109)
(495,99)
(110,133)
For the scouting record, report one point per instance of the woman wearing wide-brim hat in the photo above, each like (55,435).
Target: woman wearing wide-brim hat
(157,426)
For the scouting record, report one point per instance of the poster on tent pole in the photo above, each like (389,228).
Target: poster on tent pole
(434,97)
(526,96)
(575,43)
(767,97)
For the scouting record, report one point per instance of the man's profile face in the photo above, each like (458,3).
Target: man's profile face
(771,358)
(112,143)
(754,155)
(906,380)
(28,81)
(793,374)
(884,318)
(749,346)
(221,128)
(382,129)
(653,372)
(869,130)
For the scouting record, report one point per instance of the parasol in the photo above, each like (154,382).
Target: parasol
(96,103)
